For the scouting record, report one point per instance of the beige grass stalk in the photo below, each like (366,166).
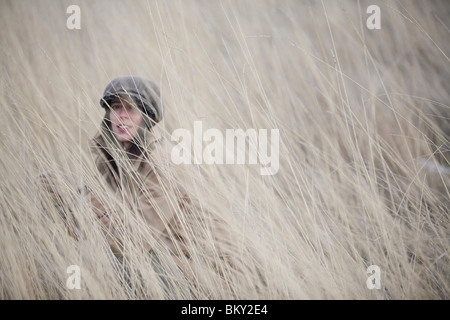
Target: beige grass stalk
(363,119)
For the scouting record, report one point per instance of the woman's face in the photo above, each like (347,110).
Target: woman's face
(126,118)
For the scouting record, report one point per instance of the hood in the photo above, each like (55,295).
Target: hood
(143,91)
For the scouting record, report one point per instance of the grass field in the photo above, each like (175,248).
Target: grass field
(363,116)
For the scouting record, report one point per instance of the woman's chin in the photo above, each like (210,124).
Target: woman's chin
(123,137)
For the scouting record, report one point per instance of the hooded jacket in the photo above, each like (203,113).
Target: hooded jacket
(156,195)
(138,184)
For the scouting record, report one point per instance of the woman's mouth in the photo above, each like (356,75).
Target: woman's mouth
(122,128)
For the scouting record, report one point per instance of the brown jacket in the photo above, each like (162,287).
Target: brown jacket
(157,197)
(140,183)
(166,210)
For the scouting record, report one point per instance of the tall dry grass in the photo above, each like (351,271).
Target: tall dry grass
(363,119)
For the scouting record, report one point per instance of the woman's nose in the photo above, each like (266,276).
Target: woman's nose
(123,112)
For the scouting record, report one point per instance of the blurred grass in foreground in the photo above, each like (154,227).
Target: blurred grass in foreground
(364,126)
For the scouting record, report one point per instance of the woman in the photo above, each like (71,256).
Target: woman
(131,154)
(152,206)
